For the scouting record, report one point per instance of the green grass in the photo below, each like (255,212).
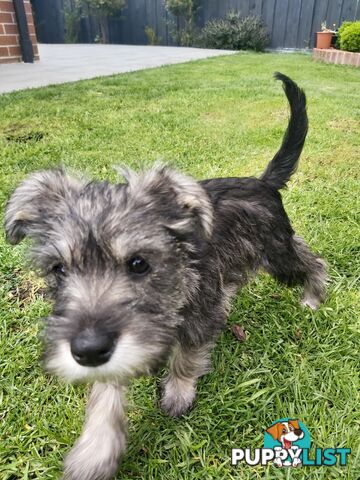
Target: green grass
(219,117)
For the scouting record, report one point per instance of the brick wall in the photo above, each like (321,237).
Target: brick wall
(331,55)
(10,50)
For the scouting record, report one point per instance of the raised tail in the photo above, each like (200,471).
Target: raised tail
(285,162)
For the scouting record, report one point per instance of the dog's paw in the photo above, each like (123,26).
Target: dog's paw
(277,462)
(311,302)
(178,396)
(94,458)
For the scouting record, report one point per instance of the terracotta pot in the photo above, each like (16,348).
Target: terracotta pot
(323,39)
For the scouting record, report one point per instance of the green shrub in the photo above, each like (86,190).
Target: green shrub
(151,36)
(339,32)
(179,7)
(343,26)
(349,36)
(183,31)
(235,33)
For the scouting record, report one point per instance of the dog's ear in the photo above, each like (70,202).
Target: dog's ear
(274,431)
(194,210)
(193,201)
(38,200)
(295,424)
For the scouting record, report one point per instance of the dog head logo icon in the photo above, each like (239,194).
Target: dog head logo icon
(287,437)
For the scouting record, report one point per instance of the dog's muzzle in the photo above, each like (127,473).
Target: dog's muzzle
(92,348)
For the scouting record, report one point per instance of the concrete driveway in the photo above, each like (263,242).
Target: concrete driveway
(69,63)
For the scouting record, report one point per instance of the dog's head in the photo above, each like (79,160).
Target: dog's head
(286,432)
(120,262)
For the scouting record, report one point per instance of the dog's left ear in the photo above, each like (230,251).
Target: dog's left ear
(274,431)
(39,200)
(193,212)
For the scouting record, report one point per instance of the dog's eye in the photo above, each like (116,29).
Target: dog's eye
(138,265)
(59,270)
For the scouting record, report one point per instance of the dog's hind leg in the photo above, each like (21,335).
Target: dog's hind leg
(294,264)
(179,387)
(96,454)
(315,274)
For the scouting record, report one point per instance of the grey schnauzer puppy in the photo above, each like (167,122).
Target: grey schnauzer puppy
(142,274)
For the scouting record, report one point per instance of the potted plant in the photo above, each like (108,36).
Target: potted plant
(324,38)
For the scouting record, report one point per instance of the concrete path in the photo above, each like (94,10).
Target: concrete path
(69,63)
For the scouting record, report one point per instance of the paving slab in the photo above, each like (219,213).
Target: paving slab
(70,63)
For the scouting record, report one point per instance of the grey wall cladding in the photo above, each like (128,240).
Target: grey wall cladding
(291,23)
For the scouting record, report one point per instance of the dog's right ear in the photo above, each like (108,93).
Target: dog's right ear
(37,201)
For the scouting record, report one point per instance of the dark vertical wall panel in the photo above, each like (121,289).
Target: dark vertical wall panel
(245,8)
(291,23)
(348,10)
(210,9)
(292,26)
(160,27)
(304,33)
(49,20)
(280,18)
(138,10)
(268,14)
(319,16)
(221,8)
(334,12)
(89,30)
(124,25)
(256,7)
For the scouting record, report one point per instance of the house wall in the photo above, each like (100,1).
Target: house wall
(10,50)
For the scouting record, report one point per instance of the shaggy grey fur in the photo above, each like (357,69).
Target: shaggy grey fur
(143,272)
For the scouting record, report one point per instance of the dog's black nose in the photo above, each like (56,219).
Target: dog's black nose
(91,348)
(298,432)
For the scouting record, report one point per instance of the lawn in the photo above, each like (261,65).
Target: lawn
(219,117)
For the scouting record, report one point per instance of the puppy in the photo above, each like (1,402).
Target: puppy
(286,433)
(142,274)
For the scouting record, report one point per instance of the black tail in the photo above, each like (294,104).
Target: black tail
(285,162)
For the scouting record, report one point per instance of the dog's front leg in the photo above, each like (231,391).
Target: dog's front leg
(96,453)
(179,387)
